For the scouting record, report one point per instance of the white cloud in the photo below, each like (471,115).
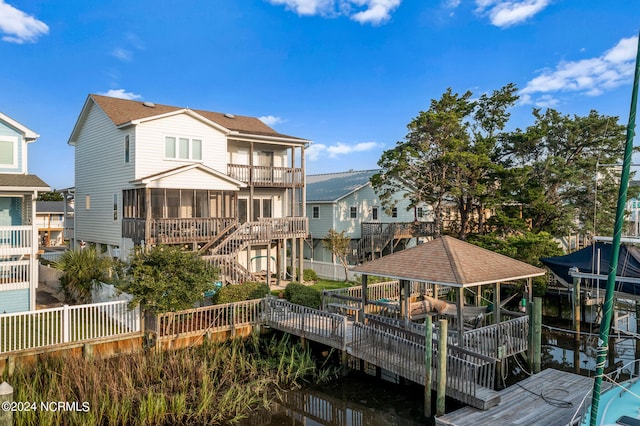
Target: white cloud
(364,11)
(591,76)
(270,120)
(122,54)
(19,27)
(340,148)
(121,93)
(504,13)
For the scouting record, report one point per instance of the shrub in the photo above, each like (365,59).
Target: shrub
(302,295)
(309,275)
(241,292)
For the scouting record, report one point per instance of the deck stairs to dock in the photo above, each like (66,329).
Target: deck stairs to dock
(470,377)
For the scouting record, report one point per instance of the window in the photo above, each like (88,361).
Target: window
(115,206)
(87,202)
(126,149)
(374,213)
(394,212)
(354,212)
(420,212)
(8,152)
(182,148)
(315,212)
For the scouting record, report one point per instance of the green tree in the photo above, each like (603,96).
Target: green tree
(166,279)
(449,155)
(82,271)
(340,246)
(50,196)
(555,174)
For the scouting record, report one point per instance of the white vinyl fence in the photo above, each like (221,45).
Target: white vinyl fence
(46,327)
(329,271)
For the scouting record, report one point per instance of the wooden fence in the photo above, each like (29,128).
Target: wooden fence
(214,318)
(46,327)
(499,341)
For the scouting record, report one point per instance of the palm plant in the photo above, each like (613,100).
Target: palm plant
(82,270)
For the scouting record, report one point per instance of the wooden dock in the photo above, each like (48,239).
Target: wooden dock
(550,397)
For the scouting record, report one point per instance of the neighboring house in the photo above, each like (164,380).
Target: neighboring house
(226,185)
(50,220)
(347,202)
(18,232)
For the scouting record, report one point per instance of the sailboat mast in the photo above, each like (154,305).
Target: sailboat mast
(603,340)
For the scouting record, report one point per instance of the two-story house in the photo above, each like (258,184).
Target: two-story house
(226,185)
(347,202)
(18,232)
(50,221)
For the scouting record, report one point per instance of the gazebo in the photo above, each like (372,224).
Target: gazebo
(447,261)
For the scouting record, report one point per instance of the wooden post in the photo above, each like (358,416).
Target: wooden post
(6,396)
(441,372)
(576,307)
(428,356)
(460,312)
(535,334)
(301,260)
(363,307)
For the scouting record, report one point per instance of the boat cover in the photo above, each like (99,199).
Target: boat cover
(586,261)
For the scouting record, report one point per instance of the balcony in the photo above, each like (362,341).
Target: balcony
(265,176)
(16,240)
(176,230)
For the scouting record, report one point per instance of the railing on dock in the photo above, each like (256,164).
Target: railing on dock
(499,341)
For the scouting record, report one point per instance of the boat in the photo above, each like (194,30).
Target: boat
(619,404)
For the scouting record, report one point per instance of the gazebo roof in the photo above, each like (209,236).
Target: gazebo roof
(451,262)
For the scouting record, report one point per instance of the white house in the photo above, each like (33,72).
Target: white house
(227,185)
(50,221)
(346,202)
(18,232)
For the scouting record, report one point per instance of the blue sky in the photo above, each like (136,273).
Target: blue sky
(347,74)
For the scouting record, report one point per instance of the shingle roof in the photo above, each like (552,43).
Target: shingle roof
(123,111)
(449,261)
(51,207)
(334,186)
(23,181)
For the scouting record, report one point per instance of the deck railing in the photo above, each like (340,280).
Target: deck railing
(214,318)
(266,176)
(499,341)
(15,240)
(175,230)
(35,329)
(15,274)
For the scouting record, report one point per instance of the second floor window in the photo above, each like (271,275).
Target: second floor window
(126,149)
(420,212)
(182,148)
(316,212)
(353,212)
(394,212)
(8,151)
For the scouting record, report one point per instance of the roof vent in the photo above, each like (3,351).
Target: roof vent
(226,114)
(149,104)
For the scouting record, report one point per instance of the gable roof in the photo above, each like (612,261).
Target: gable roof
(123,112)
(18,182)
(29,135)
(185,168)
(331,187)
(451,262)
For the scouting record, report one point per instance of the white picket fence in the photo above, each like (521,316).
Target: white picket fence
(329,271)
(67,324)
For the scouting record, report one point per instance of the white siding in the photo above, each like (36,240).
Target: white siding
(100,172)
(193,179)
(151,137)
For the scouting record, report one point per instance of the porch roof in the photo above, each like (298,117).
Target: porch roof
(186,168)
(22,183)
(450,262)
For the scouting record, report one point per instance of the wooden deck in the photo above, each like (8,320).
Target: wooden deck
(548,398)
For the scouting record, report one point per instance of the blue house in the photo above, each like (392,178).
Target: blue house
(347,202)
(18,231)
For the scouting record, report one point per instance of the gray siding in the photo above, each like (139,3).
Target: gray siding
(6,130)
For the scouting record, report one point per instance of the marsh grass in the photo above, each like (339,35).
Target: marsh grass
(209,384)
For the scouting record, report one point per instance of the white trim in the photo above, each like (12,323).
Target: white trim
(186,111)
(29,135)
(179,170)
(13,140)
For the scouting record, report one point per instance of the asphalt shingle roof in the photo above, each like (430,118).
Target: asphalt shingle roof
(51,207)
(122,111)
(449,261)
(22,181)
(333,186)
